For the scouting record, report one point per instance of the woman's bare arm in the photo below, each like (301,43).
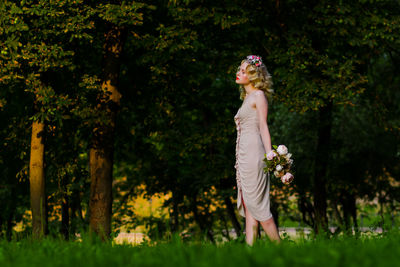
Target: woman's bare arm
(262,110)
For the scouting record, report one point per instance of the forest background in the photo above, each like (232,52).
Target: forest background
(106,102)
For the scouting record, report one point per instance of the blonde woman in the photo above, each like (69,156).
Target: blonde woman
(253,141)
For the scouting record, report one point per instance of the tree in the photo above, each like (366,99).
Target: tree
(32,52)
(117,23)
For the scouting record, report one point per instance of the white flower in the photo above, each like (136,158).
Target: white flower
(290,161)
(277,174)
(279,167)
(282,150)
(287,178)
(288,155)
(271,155)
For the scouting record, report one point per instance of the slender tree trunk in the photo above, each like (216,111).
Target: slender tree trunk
(8,213)
(226,232)
(1,224)
(65,225)
(231,212)
(10,224)
(175,214)
(338,216)
(348,211)
(353,210)
(101,152)
(354,216)
(321,166)
(73,218)
(37,182)
(306,209)
(380,199)
(204,227)
(76,211)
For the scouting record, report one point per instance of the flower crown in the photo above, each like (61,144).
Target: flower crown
(254,60)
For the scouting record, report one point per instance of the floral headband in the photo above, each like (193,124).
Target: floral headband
(254,60)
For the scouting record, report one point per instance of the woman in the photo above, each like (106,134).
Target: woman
(253,141)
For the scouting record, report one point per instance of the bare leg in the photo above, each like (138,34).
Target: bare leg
(251,225)
(270,229)
(251,228)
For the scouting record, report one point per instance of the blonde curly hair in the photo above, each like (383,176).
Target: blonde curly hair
(258,76)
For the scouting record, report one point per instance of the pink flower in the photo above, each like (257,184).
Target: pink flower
(287,178)
(271,155)
(282,150)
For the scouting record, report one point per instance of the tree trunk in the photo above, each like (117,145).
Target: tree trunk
(380,200)
(275,215)
(101,152)
(306,208)
(349,211)
(76,212)
(175,214)
(338,216)
(353,211)
(72,218)
(74,203)
(225,231)
(232,216)
(204,226)
(65,226)
(9,226)
(321,167)
(37,182)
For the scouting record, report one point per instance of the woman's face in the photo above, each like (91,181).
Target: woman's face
(241,75)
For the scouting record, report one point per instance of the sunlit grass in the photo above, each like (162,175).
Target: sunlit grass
(378,250)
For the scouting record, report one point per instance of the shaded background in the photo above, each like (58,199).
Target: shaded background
(151,84)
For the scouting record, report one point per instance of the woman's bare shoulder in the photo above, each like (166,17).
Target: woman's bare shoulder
(259,94)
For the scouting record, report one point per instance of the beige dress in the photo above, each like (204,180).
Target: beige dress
(252,182)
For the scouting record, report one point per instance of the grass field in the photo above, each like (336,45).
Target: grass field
(367,250)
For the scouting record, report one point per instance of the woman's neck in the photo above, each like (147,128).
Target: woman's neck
(249,88)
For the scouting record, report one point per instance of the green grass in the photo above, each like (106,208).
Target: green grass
(381,250)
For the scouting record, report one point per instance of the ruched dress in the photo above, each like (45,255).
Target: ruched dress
(252,183)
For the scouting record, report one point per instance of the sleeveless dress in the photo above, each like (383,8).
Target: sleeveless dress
(252,183)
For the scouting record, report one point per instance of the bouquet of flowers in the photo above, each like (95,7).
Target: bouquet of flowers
(279,162)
